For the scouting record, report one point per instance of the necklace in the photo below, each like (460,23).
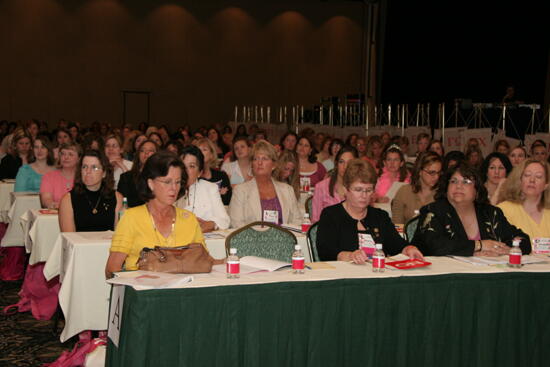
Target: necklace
(167,239)
(94,208)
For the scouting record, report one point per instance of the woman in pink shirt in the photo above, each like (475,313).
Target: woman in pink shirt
(57,183)
(393,170)
(331,190)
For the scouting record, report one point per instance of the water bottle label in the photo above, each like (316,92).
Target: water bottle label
(305,227)
(515,259)
(298,263)
(233,267)
(378,262)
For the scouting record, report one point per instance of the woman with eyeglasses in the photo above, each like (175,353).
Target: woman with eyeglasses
(343,226)
(263,198)
(92,204)
(494,170)
(462,222)
(526,199)
(158,222)
(410,198)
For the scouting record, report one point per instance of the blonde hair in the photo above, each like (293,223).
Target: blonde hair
(511,189)
(359,170)
(294,179)
(263,146)
(215,162)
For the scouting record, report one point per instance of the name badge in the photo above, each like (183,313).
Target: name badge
(305,184)
(541,245)
(271,216)
(366,243)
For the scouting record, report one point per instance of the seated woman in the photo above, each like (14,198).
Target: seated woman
(410,198)
(474,156)
(113,151)
(57,183)
(462,222)
(335,146)
(494,170)
(127,186)
(62,136)
(393,170)
(202,198)
(341,225)
(211,172)
(263,198)
(286,170)
(92,204)
(526,198)
(289,141)
(20,153)
(502,146)
(310,169)
(437,147)
(158,222)
(331,190)
(30,175)
(517,155)
(239,168)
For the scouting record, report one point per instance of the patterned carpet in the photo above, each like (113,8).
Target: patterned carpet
(25,341)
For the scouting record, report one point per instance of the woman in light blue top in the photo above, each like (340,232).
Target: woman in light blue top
(30,175)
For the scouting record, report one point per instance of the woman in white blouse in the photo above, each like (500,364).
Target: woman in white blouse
(239,169)
(202,197)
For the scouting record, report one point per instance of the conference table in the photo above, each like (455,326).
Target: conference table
(450,313)
(79,259)
(20,203)
(40,231)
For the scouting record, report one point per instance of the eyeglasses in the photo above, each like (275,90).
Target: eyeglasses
(169,183)
(92,167)
(359,190)
(464,181)
(432,173)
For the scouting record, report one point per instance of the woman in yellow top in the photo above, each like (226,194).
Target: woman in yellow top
(158,222)
(526,195)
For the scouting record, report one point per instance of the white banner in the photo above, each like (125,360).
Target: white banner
(453,138)
(483,136)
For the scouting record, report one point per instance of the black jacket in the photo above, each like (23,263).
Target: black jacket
(440,231)
(337,232)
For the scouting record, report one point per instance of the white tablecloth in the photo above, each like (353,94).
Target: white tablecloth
(79,259)
(5,189)
(20,203)
(40,233)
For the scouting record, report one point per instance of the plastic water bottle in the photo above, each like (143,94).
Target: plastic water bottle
(233,266)
(306,223)
(124,207)
(298,260)
(378,259)
(514,256)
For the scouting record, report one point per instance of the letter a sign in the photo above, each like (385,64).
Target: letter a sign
(115,313)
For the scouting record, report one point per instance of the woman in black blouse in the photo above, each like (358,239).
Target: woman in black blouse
(127,185)
(341,225)
(462,222)
(92,205)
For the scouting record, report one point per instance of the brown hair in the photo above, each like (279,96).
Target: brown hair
(294,179)
(424,160)
(359,170)
(107,183)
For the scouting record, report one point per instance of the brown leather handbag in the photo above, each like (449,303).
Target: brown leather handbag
(189,259)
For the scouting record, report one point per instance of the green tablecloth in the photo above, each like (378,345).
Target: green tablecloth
(448,320)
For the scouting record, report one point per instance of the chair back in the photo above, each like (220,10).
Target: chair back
(262,239)
(312,240)
(410,228)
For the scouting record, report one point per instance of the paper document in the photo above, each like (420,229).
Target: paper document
(142,280)
(254,264)
(500,260)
